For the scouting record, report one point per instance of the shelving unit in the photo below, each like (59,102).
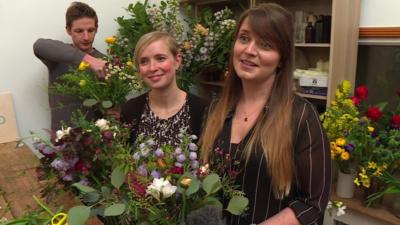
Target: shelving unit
(341,51)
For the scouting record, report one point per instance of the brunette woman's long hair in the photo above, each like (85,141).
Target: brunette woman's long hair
(273,130)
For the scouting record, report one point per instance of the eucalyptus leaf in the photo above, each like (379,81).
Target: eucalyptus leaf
(107,104)
(237,205)
(91,197)
(78,215)
(105,190)
(115,209)
(193,187)
(214,202)
(212,184)
(84,188)
(117,177)
(90,102)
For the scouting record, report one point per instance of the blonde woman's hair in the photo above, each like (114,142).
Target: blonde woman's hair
(273,130)
(151,37)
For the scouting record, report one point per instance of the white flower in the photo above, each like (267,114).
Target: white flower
(61,133)
(161,186)
(102,124)
(340,211)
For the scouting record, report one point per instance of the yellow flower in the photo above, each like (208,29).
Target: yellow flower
(346,86)
(83,66)
(111,40)
(372,165)
(199,29)
(333,144)
(82,83)
(339,150)
(333,154)
(366,183)
(357,182)
(185,182)
(371,129)
(129,63)
(340,141)
(345,155)
(187,45)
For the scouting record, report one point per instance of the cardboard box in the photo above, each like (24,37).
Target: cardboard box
(8,123)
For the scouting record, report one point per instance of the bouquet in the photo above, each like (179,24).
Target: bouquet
(363,137)
(166,185)
(120,80)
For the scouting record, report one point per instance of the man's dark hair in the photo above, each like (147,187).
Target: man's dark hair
(79,10)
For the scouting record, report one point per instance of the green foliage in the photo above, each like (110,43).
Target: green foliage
(78,215)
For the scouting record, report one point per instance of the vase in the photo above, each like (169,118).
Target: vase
(345,185)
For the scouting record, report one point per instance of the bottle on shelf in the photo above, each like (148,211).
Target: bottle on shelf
(309,34)
(319,29)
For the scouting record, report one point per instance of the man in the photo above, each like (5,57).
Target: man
(59,57)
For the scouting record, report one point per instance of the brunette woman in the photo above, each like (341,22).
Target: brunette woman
(273,136)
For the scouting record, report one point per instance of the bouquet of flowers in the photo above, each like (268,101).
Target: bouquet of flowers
(161,186)
(120,80)
(369,136)
(209,42)
(82,154)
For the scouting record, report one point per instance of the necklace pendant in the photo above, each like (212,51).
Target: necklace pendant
(246,119)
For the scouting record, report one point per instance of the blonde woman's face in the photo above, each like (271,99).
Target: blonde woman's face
(253,59)
(157,65)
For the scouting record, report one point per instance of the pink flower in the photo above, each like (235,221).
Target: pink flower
(361,92)
(395,121)
(374,113)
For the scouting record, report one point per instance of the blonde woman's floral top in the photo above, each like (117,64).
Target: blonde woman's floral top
(164,131)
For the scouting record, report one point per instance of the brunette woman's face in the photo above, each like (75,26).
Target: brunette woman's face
(254,59)
(157,65)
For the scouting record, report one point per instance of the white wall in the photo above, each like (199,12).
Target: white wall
(380,13)
(21,73)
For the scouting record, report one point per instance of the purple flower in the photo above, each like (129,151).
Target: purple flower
(142,170)
(84,182)
(195,164)
(159,153)
(60,165)
(178,151)
(181,158)
(349,147)
(155,174)
(177,164)
(193,147)
(67,177)
(192,155)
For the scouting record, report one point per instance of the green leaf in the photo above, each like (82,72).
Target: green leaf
(382,105)
(105,190)
(90,102)
(212,184)
(117,177)
(107,104)
(214,202)
(84,188)
(193,187)
(78,215)
(91,197)
(237,205)
(115,209)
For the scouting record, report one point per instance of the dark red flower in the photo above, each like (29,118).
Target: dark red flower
(82,167)
(374,113)
(177,170)
(398,93)
(361,92)
(395,120)
(138,188)
(356,101)
(108,135)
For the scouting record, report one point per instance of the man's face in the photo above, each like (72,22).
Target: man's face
(82,32)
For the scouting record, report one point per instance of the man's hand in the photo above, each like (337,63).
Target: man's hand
(96,65)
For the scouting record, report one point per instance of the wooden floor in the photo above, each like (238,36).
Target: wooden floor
(18,182)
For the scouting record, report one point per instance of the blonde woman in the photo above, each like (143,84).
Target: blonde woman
(274,137)
(165,110)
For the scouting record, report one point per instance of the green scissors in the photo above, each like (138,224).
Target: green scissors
(59,219)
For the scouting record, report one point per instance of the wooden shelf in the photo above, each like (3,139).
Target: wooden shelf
(313,45)
(356,204)
(320,97)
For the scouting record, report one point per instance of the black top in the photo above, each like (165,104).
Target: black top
(310,191)
(144,121)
